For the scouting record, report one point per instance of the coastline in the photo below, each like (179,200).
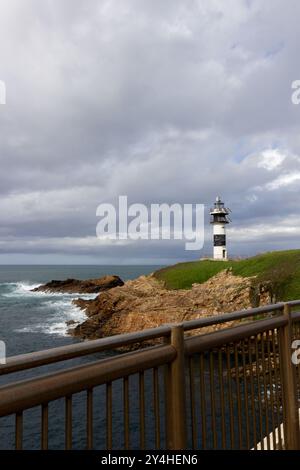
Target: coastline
(145,302)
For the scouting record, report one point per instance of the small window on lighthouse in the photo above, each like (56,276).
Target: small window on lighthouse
(224,254)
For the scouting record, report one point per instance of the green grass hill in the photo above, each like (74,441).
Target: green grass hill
(281,268)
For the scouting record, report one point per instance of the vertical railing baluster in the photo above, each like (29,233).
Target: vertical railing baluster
(126,412)
(265,389)
(192,402)
(168,401)
(246,398)
(222,401)
(68,422)
(19,431)
(89,416)
(203,399)
(142,409)
(258,380)
(252,389)
(212,399)
(277,388)
(156,407)
(44,434)
(238,393)
(271,388)
(109,416)
(230,398)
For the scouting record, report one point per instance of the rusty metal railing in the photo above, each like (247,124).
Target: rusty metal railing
(235,387)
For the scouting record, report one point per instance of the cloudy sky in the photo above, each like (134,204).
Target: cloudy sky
(162,101)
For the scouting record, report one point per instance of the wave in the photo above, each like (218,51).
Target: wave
(20,289)
(53,310)
(71,313)
(56,315)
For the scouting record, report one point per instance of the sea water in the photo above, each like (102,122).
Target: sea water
(32,321)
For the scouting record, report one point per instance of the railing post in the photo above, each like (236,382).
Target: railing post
(176,393)
(168,402)
(289,396)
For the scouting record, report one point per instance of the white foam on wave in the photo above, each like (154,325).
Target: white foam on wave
(56,315)
(69,311)
(19,289)
(56,308)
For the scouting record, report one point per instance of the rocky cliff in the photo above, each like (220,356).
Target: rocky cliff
(146,303)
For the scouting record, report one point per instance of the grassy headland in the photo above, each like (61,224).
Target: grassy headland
(281,268)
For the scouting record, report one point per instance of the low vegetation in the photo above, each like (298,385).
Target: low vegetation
(281,268)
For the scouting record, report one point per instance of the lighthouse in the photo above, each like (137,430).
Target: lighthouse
(219,220)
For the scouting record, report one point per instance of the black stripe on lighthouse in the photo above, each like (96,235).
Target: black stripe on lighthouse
(219,240)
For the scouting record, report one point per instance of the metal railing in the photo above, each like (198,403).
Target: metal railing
(235,387)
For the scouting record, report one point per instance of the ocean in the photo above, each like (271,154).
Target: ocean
(32,321)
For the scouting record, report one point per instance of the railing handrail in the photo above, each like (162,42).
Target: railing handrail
(227,317)
(29,393)
(271,337)
(293,303)
(200,343)
(62,353)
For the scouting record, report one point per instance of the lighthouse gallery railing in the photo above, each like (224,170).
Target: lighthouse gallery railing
(233,388)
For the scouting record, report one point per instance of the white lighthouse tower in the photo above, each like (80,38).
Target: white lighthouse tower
(219,219)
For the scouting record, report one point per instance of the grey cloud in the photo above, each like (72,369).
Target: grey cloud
(172,101)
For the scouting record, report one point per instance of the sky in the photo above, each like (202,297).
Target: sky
(166,102)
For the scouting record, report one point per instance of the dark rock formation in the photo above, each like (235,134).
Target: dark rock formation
(74,286)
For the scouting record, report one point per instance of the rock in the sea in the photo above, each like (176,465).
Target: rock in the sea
(89,286)
(146,303)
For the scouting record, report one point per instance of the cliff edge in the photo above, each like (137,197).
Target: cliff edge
(146,303)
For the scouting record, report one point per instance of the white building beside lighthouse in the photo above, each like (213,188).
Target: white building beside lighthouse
(219,220)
